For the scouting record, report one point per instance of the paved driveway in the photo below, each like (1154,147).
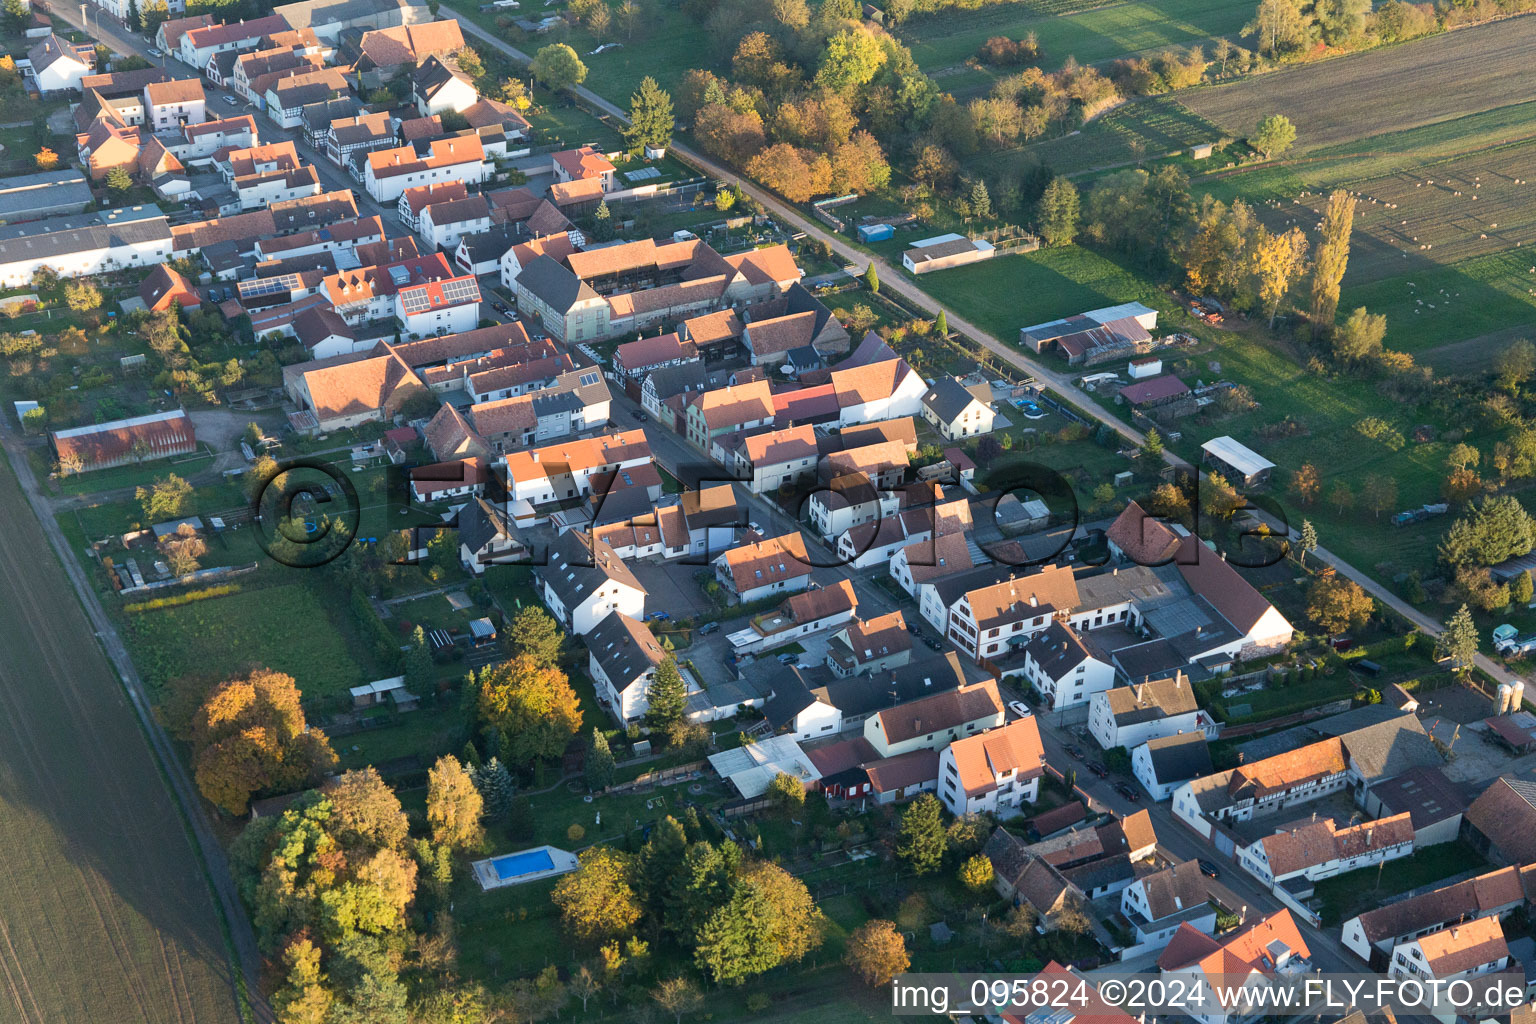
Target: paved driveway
(670,588)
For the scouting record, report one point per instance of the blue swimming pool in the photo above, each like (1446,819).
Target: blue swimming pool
(513,865)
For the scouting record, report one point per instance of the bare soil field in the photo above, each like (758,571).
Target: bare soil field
(1417,83)
(105,911)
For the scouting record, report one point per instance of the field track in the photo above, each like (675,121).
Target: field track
(105,910)
(1342,99)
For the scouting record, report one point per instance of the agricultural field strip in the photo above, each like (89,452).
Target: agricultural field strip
(106,914)
(1475,69)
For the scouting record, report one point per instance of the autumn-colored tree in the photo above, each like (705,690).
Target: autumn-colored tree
(82,296)
(876,952)
(46,159)
(532,706)
(733,136)
(1277,261)
(1331,257)
(796,174)
(769,920)
(304,997)
(1218,498)
(976,873)
(597,901)
(366,814)
(1170,502)
(1461,486)
(250,737)
(454,806)
(1337,604)
(183,548)
(678,997)
(1306,483)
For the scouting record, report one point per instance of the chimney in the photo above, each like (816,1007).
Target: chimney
(1368,837)
(1034,601)
(1455,931)
(917,723)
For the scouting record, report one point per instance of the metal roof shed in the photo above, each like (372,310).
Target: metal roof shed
(1238,459)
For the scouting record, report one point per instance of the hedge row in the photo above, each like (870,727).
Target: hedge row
(177,600)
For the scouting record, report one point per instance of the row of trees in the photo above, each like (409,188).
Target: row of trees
(1288,28)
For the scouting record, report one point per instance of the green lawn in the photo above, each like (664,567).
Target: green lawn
(1113,30)
(427,734)
(1004,294)
(289,628)
(1346,895)
(1488,295)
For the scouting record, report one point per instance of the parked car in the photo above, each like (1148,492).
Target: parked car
(1019,708)
(788,659)
(154,52)
(1208,869)
(1076,751)
(708,628)
(1098,769)
(231,101)
(659,616)
(642,417)
(1127,792)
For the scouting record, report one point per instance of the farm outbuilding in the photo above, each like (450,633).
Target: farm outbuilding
(119,442)
(944,251)
(380,690)
(1240,464)
(752,767)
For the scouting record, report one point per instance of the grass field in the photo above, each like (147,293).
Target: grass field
(105,913)
(1478,69)
(288,628)
(1092,35)
(1004,294)
(1162,125)
(1348,894)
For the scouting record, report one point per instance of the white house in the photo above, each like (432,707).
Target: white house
(585,582)
(622,657)
(1164,764)
(1320,849)
(1061,668)
(1157,904)
(957,410)
(389,172)
(171,106)
(994,772)
(448,305)
(1373,935)
(936,721)
(440,86)
(1128,716)
(1210,971)
(1461,950)
(884,390)
(795,710)
(442,225)
(765,568)
(57,66)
